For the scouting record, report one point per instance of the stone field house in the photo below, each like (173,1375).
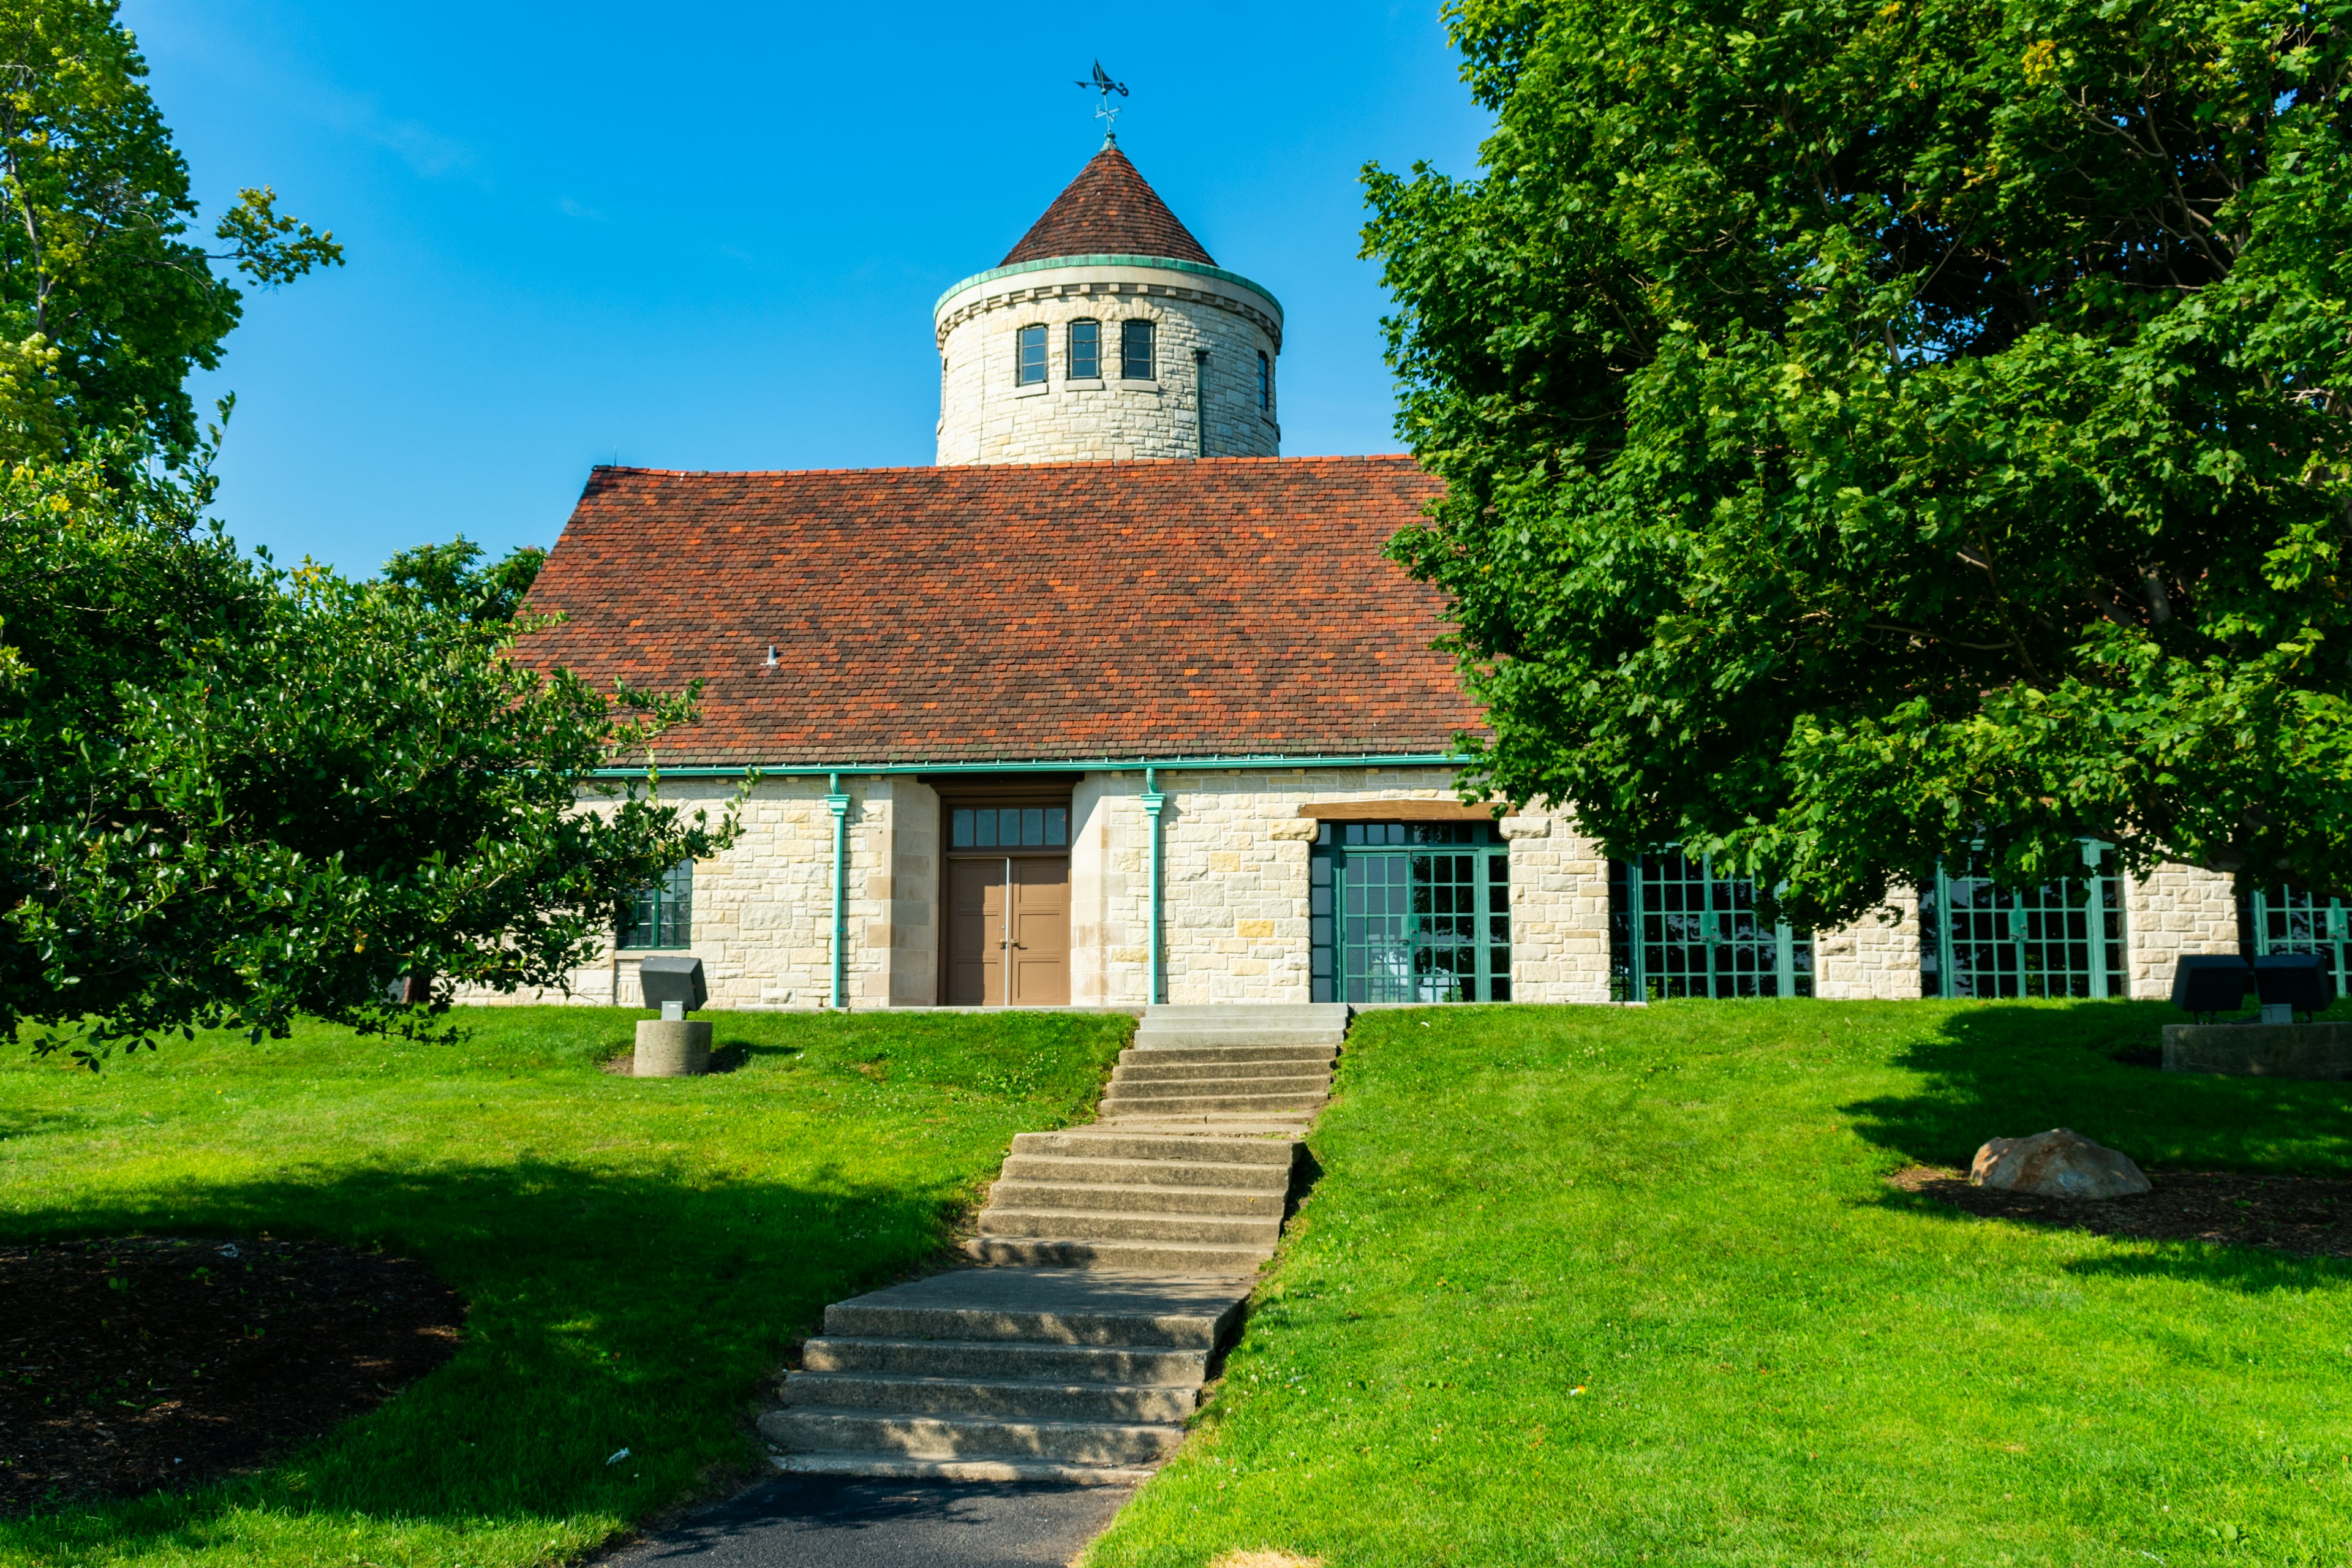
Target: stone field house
(1117,705)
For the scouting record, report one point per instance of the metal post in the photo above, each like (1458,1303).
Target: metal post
(1154,803)
(1945,979)
(838,804)
(2094,915)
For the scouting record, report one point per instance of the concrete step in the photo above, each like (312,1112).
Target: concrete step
(1320,1011)
(1089,1144)
(1045,1305)
(1020,1399)
(898,1467)
(1003,1361)
(1289,1125)
(1047,1254)
(1218,1072)
(1163,1173)
(1240,1035)
(1321,1056)
(1119,1105)
(1095,1224)
(919,1437)
(1119,1197)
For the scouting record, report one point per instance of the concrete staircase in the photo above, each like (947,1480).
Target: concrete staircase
(1116,1260)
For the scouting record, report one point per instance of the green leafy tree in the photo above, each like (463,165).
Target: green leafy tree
(444,577)
(106,304)
(1884,432)
(235,793)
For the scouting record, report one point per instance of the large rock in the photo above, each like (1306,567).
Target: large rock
(2058,1163)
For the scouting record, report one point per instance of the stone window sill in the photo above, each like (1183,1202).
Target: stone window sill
(1088,384)
(1034,389)
(1126,386)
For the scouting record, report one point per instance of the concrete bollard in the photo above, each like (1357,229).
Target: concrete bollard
(672,1047)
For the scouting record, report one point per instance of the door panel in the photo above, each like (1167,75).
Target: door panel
(976,933)
(1041,932)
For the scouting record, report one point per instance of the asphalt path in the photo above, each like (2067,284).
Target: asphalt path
(849,1521)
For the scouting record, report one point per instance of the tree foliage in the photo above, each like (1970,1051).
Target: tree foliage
(1884,432)
(105,303)
(445,577)
(235,793)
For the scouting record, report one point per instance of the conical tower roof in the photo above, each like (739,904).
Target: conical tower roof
(1108,210)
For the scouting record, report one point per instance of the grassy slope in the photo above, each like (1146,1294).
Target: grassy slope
(1680,1211)
(636,1254)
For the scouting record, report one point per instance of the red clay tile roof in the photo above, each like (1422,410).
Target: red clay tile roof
(1107,211)
(1017,612)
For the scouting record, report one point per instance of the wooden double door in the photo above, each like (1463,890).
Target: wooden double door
(1008,931)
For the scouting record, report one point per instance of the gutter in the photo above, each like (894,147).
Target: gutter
(1154,803)
(838,804)
(1041,764)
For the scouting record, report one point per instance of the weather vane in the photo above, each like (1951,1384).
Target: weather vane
(1106,111)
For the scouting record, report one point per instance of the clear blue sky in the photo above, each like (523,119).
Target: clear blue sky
(709,238)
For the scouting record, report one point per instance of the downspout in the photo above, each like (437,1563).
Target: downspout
(1199,409)
(1154,803)
(838,804)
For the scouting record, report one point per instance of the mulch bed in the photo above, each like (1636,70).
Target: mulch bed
(130,1366)
(2305,1215)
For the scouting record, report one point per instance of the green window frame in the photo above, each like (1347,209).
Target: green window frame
(661,916)
(1409,911)
(1978,941)
(1029,368)
(2294,919)
(1676,929)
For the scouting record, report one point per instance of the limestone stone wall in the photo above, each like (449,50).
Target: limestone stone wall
(1236,924)
(1872,960)
(1559,911)
(2173,911)
(985,417)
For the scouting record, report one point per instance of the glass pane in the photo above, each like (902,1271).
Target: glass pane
(963,836)
(1085,350)
(1135,350)
(1355,833)
(1033,355)
(986,822)
(1008,826)
(1057,825)
(1032,825)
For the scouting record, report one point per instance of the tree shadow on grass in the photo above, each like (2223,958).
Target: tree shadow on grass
(606,1312)
(2004,1070)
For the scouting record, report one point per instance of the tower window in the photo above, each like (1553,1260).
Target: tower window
(1085,350)
(1033,357)
(1265,381)
(1135,350)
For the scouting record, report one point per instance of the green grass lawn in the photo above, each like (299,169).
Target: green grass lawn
(1589,1286)
(637,1254)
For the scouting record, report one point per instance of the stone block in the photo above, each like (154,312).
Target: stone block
(2260,1050)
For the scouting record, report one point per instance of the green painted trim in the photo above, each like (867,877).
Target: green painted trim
(1164,263)
(1046,765)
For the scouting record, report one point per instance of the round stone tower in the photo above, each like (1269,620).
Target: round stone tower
(1106,332)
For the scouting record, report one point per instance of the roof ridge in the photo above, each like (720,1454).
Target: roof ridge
(1236,460)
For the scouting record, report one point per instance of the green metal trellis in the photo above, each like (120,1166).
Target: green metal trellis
(2292,920)
(2063,939)
(1679,930)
